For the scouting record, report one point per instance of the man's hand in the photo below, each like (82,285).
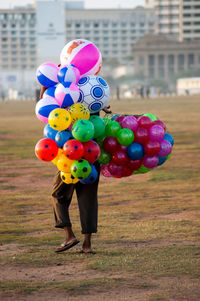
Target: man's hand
(107,110)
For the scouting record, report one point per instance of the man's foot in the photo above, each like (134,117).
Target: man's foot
(67,245)
(86,248)
(87,252)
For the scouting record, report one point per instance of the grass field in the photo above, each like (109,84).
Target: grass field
(147,243)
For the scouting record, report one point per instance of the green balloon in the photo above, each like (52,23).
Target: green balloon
(125,136)
(168,156)
(107,121)
(112,128)
(99,125)
(83,130)
(104,157)
(142,169)
(151,116)
(100,140)
(81,169)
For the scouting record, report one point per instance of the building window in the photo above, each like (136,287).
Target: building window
(141,60)
(96,24)
(180,62)
(151,65)
(78,25)
(190,60)
(171,64)
(161,62)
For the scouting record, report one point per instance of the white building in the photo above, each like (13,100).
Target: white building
(188,86)
(29,36)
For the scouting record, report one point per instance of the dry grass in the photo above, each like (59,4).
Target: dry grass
(148,239)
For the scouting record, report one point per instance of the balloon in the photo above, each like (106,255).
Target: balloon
(104,157)
(134,164)
(150,162)
(152,148)
(67,94)
(142,169)
(159,122)
(64,164)
(59,119)
(79,111)
(125,136)
(62,137)
(107,121)
(73,149)
(161,160)
(46,149)
(110,144)
(120,158)
(141,135)
(119,119)
(114,169)
(112,129)
(144,122)
(126,171)
(83,130)
(129,122)
(68,178)
(91,151)
(122,148)
(151,116)
(81,169)
(165,148)
(92,176)
(44,107)
(49,132)
(156,133)
(169,138)
(46,74)
(99,125)
(100,140)
(104,171)
(49,92)
(55,160)
(135,151)
(68,73)
(169,156)
(114,117)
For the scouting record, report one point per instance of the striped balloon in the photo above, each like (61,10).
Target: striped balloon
(47,74)
(67,94)
(44,107)
(84,55)
(69,73)
(49,92)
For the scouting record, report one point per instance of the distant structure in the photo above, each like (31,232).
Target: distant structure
(161,56)
(188,86)
(178,18)
(31,35)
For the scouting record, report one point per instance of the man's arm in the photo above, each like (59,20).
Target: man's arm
(43,89)
(107,110)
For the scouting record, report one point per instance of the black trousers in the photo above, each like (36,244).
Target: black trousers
(87,202)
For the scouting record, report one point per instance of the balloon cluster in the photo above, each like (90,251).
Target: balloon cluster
(133,144)
(73,92)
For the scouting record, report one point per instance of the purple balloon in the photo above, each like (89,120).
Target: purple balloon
(150,162)
(129,122)
(165,148)
(156,133)
(104,171)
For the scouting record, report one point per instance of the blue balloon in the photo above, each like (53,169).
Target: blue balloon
(92,176)
(62,137)
(115,116)
(161,160)
(50,92)
(169,138)
(49,132)
(135,151)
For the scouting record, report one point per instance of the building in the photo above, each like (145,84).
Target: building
(188,86)
(161,57)
(178,18)
(28,36)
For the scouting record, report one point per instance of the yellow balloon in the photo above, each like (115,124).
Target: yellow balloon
(59,119)
(55,160)
(68,178)
(79,111)
(64,164)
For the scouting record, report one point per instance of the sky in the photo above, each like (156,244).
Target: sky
(88,3)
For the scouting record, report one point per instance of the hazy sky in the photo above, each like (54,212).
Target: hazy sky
(88,3)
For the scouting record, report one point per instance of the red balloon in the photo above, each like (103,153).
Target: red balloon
(126,172)
(46,149)
(144,122)
(91,151)
(137,116)
(122,148)
(73,149)
(152,148)
(110,144)
(141,135)
(119,118)
(159,122)
(114,169)
(120,158)
(135,164)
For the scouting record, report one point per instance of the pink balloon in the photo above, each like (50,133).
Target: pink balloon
(159,122)
(156,133)
(150,162)
(129,122)
(165,148)
(104,171)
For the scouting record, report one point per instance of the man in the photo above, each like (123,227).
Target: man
(88,207)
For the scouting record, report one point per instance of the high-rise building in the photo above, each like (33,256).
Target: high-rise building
(29,36)
(177,18)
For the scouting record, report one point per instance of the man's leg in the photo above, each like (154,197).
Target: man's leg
(62,196)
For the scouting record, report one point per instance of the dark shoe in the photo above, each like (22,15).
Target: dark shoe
(66,246)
